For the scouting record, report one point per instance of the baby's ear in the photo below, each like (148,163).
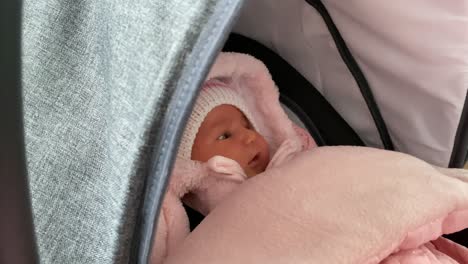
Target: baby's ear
(226,168)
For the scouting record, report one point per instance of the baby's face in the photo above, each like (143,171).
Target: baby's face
(226,132)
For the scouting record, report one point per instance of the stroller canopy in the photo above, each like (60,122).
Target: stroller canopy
(413,56)
(108,87)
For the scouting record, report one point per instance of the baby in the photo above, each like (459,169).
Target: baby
(237,130)
(226,132)
(222,128)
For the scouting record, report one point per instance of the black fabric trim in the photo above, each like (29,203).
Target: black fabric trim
(325,122)
(460,237)
(356,72)
(168,130)
(194,216)
(460,148)
(457,160)
(17,236)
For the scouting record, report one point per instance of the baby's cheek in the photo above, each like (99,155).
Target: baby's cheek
(242,160)
(233,152)
(266,150)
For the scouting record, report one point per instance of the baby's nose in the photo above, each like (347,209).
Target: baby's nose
(250,136)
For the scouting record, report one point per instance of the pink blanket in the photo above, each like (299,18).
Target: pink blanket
(337,205)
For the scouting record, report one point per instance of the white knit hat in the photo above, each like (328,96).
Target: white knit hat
(213,94)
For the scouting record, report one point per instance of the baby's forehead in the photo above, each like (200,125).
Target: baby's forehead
(224,115)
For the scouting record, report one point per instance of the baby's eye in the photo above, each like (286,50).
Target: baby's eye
(224,136)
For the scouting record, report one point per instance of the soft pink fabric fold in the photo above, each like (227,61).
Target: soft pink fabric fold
(337,205)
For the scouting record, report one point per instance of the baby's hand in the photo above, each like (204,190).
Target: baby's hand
(227,168)
(222,176)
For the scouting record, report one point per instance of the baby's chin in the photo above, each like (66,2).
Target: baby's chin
(251,172)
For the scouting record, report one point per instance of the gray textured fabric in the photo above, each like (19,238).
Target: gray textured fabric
(180,102)
(95,76)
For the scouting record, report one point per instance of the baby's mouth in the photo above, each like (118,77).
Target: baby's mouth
(254,161)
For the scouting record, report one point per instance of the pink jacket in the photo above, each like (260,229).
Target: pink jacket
(204,185)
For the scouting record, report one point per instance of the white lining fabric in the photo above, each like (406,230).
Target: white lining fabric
(414,55)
